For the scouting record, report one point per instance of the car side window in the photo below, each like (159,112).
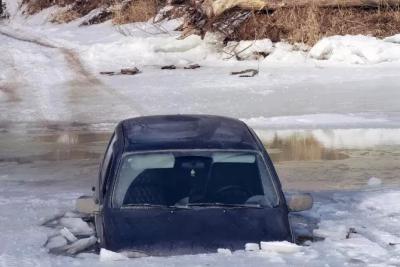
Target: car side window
(105,167)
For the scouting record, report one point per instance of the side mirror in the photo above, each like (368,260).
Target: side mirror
(86,205)
(299,201)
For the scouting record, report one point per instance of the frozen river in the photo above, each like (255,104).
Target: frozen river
(55,108)
(329,130)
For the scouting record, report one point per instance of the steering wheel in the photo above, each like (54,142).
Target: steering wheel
(231,194)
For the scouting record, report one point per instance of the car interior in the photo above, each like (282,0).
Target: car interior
(195,179)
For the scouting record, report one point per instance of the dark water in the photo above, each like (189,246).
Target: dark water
(309,160)
(332,159)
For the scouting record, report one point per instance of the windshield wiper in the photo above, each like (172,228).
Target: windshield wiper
(144,205)
(224,205)
(190,205)
(148,205)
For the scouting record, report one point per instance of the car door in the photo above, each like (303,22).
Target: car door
(101,188)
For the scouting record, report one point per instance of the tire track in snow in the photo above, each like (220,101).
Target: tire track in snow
(10,92)
(19,37)
(9,87)
(89,98)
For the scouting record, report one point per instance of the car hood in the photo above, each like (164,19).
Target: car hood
(160,232)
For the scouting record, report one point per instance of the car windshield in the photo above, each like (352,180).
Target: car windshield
(190,178)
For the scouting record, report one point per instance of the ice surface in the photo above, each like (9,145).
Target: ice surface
(311,120)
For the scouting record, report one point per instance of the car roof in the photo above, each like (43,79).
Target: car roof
(167,132)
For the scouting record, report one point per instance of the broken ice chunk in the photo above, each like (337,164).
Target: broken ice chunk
(279,247)
(108,255)
(224,251)
(77,226)
(55,242)
(80,245)
(252,247)
(68,235)
(70,214)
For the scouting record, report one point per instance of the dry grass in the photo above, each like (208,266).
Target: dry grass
(75,9)
(299,148)
(35,6)
(309,24)
(135,11)
(65,15)
(123,11)
(298,24)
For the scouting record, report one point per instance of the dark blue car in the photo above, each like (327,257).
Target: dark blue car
(184,184)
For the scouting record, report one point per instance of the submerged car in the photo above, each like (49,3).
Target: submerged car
(185,184)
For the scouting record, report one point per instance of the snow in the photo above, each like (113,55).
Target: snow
(147,44)
(291,54)
(357,49)
(248,49)
(393,39)
(12,7)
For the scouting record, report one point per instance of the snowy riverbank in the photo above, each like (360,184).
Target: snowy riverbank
(333,84)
